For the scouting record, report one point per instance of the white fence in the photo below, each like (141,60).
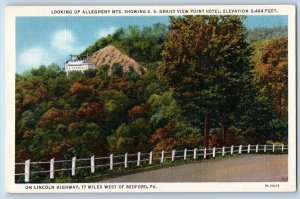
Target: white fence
(139,158)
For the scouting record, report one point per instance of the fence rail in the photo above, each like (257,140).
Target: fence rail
(143,158)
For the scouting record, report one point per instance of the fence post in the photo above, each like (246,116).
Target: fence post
(273,148)
(265,148)
(173,155)
(52,168)
(111,161)
(214,152)
(27,170)
(231,150)
(184,155)
(195,153)
(138,159)
(73,166)
(93,164)
(223,151)
(150,157)
(126,160)
(282,147)
(256,149)
(240,149)
(204,154)
(162,156)
(249,148)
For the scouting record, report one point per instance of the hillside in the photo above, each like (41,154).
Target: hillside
(111,55)
(170,105)
(144,45)
(266,33)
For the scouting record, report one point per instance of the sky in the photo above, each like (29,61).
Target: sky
(46,40)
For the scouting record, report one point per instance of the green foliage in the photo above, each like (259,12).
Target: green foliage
(163,108)
(234,137)
(274,74)
(142,44)
(199,65)
(132,74)
(177,134)
(122,140)
(206,64)
(117,70)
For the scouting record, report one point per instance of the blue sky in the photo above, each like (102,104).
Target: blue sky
(45,40)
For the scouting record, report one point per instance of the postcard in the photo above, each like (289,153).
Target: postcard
(150,99)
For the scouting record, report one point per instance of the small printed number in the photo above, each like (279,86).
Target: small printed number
(271,185)
(257,10)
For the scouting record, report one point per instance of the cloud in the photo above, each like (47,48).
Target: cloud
(106,31)
(33,57)
(64,41)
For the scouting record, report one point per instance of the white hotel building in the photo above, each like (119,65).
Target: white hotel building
(74,64)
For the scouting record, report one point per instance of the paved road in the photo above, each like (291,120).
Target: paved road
(251,168)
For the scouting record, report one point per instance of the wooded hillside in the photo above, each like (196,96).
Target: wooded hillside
(206,84)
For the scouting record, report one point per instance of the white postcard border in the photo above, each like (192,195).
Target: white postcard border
(10,64)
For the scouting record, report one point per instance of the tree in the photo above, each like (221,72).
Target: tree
(142,44)
(53,116)
(205,63)
(273,72)
(90,73)
(132,74)
(117,70)
(138,111)
(164,138)
(103,71)
(122,140)
(163,109)
(93,111)
(177,134)
(80,90)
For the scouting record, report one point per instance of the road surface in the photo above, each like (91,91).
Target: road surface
(248,168)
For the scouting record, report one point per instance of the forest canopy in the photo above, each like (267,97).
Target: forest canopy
(208,82)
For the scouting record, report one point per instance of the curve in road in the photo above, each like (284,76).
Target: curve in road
(250,168)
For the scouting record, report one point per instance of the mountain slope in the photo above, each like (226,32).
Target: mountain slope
(111,55)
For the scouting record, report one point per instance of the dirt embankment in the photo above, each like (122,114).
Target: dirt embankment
(111,55)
